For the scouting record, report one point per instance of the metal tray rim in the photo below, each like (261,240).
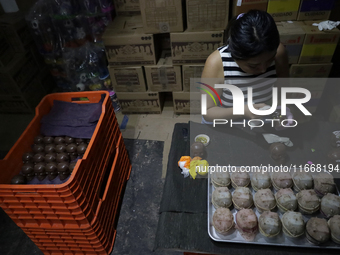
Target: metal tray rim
(258,243)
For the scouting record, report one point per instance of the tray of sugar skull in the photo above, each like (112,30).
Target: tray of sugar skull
(298,208)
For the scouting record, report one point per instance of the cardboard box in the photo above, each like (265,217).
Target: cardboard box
(128,79)
(292,36)
(319,46)
(194,47)
(310,70)
(189,72)
(187,102)
(207,15)
(16,30)
(162,16)
(243,6)
(283,9)
(141,102)
(126,44)
(315,9)
(127,7)
(164,76)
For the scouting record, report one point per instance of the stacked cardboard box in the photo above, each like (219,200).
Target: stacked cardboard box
(192,30)
(292,37)
(127,7)
(315,9)
(157,51)
(283,9)
(206,21)
(315,60)
(242,6)
(23,79)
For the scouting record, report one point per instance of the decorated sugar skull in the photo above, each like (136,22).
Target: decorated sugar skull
(83,77)
(278,152)
(80,87)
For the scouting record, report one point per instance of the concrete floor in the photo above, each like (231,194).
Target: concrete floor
(158,127)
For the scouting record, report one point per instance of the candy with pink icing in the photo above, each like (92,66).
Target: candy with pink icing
(293,224)
(317,231)
(240,179)
(242,198)
(264,200)
(221,197)
(246,224)
(282,180)
(223,221)
(260,181)
(302,180)
(308,201)
(286,200)
(323,184)
(330,205)
(334,225)
(270,224)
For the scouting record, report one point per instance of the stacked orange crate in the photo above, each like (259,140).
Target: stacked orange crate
(80,212)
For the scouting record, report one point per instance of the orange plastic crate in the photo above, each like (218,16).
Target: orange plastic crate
(71,222)
(35,211)
(70,240)
(80,191)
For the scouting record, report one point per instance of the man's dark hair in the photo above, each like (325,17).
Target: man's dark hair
(252,34)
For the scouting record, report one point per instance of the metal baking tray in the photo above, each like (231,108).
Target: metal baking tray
(279,240)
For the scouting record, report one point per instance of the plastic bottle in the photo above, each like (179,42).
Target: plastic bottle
(115,101)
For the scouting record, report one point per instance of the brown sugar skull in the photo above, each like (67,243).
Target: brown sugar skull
(27,157)
(40,171)
(18,179)
(60,148)
(278,152)
(71,148)
(69,140)
(59,140)
(27,170)
(197,150)
(63,170)
(50,157)
(48,139)
(81,149)
(38,148)
(62,157)
(50,148)
(72,166)
(39,157)
(79,141)
(51,170)
(39,139)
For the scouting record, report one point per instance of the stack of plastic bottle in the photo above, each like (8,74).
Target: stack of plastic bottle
(68,35)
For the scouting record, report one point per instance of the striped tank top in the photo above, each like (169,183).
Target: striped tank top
(262,84)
